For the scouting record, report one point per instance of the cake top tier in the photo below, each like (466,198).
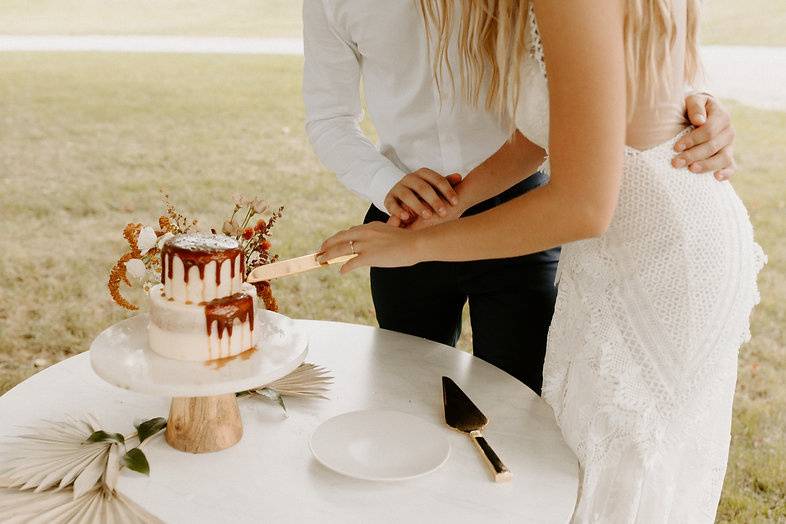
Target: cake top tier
(202,243)
(198,249)
(198,267)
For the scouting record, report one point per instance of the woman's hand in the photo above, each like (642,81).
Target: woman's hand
(375,244)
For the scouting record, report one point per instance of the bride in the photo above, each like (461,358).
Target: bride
(658,267)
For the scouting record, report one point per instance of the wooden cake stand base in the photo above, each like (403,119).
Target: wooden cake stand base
(204,424)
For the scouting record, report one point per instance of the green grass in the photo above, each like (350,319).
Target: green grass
(87,140)
(755,489)
(253,18)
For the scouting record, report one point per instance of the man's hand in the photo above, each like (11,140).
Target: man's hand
(709,147)
(454,213)
(422,193)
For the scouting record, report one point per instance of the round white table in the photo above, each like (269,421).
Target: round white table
(271,476)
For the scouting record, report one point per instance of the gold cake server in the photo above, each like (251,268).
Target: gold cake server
(463,415)
(291,266)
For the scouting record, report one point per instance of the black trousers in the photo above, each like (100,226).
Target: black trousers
(511,300)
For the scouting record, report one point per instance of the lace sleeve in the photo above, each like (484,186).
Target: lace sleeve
(536,44)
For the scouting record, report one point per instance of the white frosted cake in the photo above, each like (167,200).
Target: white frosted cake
(202,310)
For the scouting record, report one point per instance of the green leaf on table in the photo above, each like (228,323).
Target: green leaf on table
(103,436)
(135,460)
(273,395)
(149,428)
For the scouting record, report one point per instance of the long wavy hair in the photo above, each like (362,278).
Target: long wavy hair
(492,45)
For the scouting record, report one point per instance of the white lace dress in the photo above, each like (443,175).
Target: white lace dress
(641,361)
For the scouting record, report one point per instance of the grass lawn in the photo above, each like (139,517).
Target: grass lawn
(87,140)
(253,18)
(755,489)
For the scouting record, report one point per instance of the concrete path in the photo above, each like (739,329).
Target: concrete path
(753,75)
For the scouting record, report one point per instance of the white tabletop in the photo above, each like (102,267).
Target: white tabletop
(270,476)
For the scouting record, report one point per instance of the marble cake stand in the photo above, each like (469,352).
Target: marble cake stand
(204,415)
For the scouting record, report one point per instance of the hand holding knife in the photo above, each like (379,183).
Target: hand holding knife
(291,266)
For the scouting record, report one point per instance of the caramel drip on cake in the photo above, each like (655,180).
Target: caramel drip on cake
(200,250)
(225,310)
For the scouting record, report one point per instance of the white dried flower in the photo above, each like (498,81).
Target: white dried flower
(135,268)
(231,228)
(257,205)
(239,200)
(166,236)
(147,239)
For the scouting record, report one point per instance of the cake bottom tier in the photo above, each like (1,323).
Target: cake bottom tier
(200,332)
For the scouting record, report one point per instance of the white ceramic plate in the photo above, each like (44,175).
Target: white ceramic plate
(380,445)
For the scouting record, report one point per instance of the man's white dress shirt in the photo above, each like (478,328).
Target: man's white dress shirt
(383,42)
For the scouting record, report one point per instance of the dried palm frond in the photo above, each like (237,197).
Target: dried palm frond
(66,472)
(55,455)
(308,380)
(99,505)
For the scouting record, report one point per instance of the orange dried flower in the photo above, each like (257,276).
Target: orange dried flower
(179,223)
(261,225)
(265,292)
(131,234)
(166,225)
(118,275)
(248,233)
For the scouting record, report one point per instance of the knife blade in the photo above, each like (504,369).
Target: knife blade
(462,414)
(291,266)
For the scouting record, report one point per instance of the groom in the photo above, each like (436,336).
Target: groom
(423,135)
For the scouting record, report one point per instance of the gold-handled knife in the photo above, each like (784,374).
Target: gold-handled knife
(463,415)
(291,266)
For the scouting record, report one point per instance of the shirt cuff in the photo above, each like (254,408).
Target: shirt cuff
(381,184)
(696,91)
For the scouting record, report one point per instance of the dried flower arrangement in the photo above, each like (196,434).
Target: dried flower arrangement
(143,262)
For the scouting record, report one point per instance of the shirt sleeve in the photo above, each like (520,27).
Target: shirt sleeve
(331,92)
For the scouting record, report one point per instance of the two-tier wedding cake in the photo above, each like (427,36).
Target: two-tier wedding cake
(202,310)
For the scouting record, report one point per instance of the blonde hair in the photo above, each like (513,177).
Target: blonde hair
(492,46)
